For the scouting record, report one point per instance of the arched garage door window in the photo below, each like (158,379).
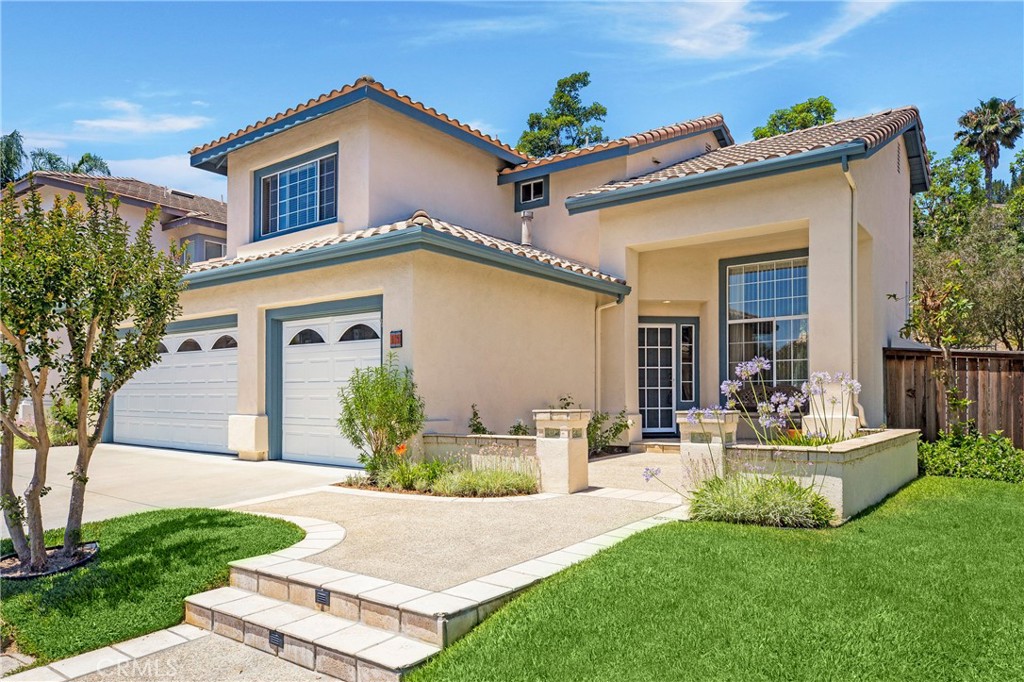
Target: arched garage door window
(306,336)
(189,346)
(359,332)
(226,341)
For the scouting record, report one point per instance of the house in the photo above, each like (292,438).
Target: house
(196,223)
(632,274)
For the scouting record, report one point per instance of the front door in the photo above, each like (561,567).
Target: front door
(667,371)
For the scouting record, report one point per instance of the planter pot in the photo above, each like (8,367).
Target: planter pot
(92,550)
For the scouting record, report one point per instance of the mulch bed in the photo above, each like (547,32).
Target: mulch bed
(11,567)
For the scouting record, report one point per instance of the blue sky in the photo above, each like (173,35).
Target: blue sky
(142,83)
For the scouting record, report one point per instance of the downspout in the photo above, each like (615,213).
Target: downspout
(854,362)
(597,349)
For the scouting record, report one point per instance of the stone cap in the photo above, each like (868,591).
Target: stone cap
(561,415)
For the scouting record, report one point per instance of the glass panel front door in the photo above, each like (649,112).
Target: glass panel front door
(656,345)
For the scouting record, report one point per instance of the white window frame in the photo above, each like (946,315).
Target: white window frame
(264,198)
(533,184)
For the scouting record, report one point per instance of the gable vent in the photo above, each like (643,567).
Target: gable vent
(708,147)
(899,157)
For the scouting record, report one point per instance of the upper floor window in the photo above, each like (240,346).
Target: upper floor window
(214,249)
(532,193)
(298,193)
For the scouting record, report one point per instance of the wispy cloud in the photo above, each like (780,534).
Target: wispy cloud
(171,171)
(484,127)
(130,118)
(461,30)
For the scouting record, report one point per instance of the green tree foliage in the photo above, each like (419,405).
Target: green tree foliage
(567,123)
(380,411)
(814,112)
(1015,202)
(88,163)
(956,194)
(75,272)
(994,123)
(12,156)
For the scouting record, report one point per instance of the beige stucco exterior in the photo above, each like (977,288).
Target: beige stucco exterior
(510,340)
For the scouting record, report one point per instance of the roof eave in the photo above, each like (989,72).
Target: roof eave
(392,243)
(25,183)
(214,159)
(689,183)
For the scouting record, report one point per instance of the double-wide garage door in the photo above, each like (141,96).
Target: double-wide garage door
(184,400)
(319,356)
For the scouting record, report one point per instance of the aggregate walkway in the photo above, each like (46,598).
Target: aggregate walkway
(437,543)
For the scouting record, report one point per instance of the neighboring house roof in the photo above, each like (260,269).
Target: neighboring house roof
(419,231)
(830,143)
(622,146)
(212,155)
(182,204)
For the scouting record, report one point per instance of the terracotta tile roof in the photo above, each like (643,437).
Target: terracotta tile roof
(662,134)
(873,130)
(191,205)
(361,82)
(422,220)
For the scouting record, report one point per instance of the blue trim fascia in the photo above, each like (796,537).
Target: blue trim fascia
(723,304)
(538,203)
(392,243)
(212,159)
(275,353)
(603,155)
(273,169)
(677,321)
(185,221)
(202,324)
(759,169)
(564,164)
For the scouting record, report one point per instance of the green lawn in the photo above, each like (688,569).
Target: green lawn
(148,563)
(928,586)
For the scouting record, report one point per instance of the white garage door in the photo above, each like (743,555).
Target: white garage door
(183,401)
(319,355)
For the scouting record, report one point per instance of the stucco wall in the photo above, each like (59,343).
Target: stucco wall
(133,215)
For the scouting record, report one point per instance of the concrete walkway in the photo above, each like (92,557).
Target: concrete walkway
(437,543)
(626,471)
(125,479)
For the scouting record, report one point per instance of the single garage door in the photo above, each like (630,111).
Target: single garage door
(319,355)
(183,401)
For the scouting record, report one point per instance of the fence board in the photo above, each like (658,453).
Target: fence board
(993,381)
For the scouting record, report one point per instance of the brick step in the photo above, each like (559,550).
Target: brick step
(436,618)
(335,646)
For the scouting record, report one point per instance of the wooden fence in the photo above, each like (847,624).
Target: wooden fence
(992,380)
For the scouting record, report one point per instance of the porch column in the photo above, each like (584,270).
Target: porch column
(619,348)
(831,284)
(248,431)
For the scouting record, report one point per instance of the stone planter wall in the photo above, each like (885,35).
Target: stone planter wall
(853,474)
(515,453)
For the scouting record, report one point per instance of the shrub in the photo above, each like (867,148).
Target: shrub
(476,425)
(764,501)
(485,483)
(380,410)
(599,436)
(519,428)
(62,419)
(420,476)
(971,455)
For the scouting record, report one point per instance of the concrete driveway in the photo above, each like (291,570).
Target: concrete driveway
(125,479)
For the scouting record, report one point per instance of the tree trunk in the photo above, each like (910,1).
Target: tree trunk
(36,487)
(12,517)
(988,182)
(79,478)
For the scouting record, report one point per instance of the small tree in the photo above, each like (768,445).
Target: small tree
(940,316)
(566,123)
(74,273)
(814,112)
(380,411)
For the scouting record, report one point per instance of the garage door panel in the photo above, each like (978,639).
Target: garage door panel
(313,373)
(184,401)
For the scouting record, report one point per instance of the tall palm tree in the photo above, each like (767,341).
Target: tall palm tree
(90,164)
(12,155)
(993,123)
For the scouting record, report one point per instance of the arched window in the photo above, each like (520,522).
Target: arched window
(226,341)
(189,346)
(306,336)
(161,349)
(359,332)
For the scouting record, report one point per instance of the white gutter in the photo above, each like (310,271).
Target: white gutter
(854,363)
(597,350)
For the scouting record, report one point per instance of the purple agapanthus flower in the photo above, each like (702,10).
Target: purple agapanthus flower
(731,386)
(651,472)
(693,415)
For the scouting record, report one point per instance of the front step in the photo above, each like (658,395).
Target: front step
(667,447)
(335,646)
(436,618)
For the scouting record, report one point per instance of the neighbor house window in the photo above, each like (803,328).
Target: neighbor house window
(214,249)
(297,194)
(767,304)
(532,193)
